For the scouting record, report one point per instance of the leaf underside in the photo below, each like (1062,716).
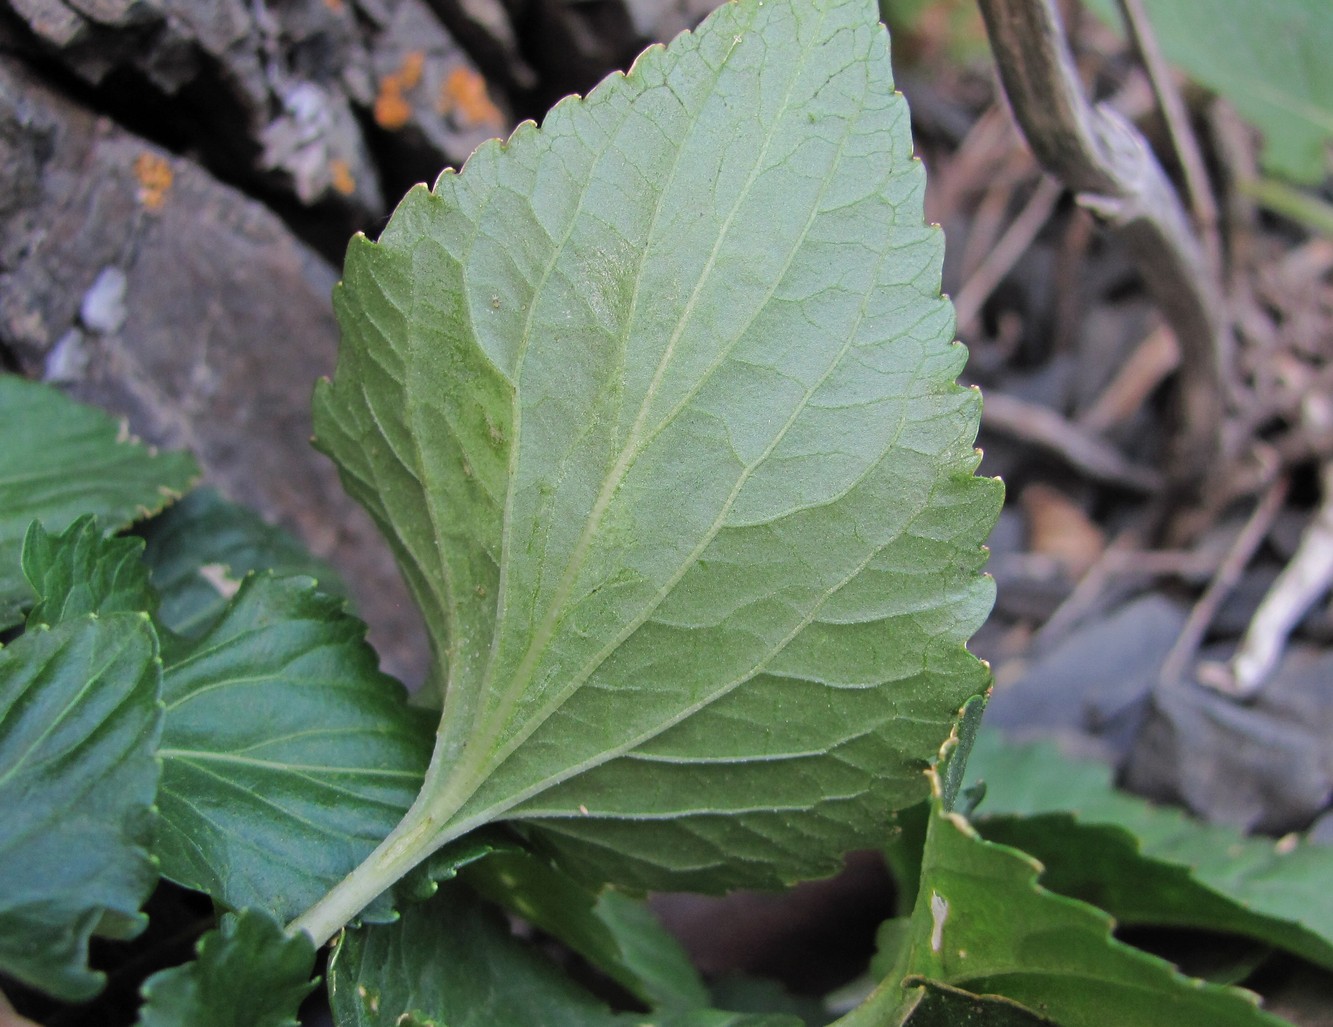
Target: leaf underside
(657,406)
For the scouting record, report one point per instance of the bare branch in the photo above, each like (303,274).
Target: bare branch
(1099,155)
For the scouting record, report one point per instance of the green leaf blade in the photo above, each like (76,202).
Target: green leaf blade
(61,460)
(703,552)
(80,717)
(287,755)
(80,571)
(248,973)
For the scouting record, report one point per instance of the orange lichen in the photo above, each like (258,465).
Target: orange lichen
(336,6)
(392,108)
(155,176)
(464,98)
(410,71)
(340,176)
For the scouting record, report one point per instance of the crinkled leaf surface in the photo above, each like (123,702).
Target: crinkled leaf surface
(1151,865)
(79,721)
(656,404)
(454,961)
(287,754)
(60,460)
(1270,60)
(200,548)
(247,973)
(983,925)
(81,571)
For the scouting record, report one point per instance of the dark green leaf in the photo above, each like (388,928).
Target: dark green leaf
(79,722)
(80,571)
(1151,865)
(452,961)
(248,973)
(287,755)
(983,925)
(656,404)
(60,460)
(201,548)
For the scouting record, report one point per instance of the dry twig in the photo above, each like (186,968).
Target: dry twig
(1099,155)
(1306,577)
(1254,532)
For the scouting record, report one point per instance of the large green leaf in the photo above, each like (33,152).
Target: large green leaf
(61,459)
(1270,60)
(79,721)
(656,404)
(287,754)
(1149,865)
(982,925)
(248,973)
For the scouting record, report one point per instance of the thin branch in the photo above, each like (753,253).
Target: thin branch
(1178,126)
(1099,155)
(1247,542)
(1306,577)
(1083,451)
(1016,241)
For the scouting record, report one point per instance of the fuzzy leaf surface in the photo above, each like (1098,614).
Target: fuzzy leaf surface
(1150,865)
(287,754)
(62,459)
(79,721)
(247,973)
(1269,60)
(657,406)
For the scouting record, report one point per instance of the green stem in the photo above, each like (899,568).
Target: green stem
(415,838)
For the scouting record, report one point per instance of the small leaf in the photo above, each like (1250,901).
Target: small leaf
(287,754)
(248,973)
(657,407)
(1148,865)
(61,460)
(667,979)
(982,925)
(79,722)
(80,571)
(204,542)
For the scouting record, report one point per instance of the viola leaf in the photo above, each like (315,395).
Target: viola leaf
(61,460)
(1149,865)
(81,571)
(287,754)
(200,549)
(984,926)
(657,406)
(454,961)
(80,716)
(248,973)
